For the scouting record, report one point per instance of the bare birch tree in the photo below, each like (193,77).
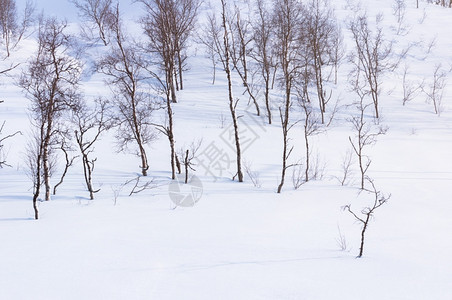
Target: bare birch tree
(262,52)
(435,89)
(371,57)
(232,102)
(288,27)
(240,48)
(125,68)
(96,15)
(367,212)
(169,24)
(365,135)
(34,162)
(51,82)
(323,37)
(12,27)
(90,123)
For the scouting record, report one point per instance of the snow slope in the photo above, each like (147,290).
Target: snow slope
(240,241)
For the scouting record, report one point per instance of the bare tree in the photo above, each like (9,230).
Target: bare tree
(96,15)
(323,38)
(185,21)
(210,38)
(399,10)
(409,90)
(158,25)
(311,127)
(52,84)
(12,27)
(287,23)
(224,53)
(169,24)
(90,123)
(262,51)
(125,68)
(188,155)
(240,48)
(365,136)
(368,212)
(346,168)
(435,89)
(371,57)
(338,51)
(137,188)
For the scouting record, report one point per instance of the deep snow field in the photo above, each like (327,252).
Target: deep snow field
(240,241)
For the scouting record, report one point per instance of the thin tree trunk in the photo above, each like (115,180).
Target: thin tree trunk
(186,166)
(285,128)
(361,248)
(179,59)
(231,98)
(307,152)
(37,186)
(46,167)
(267,97)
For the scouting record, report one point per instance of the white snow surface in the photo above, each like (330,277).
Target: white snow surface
(240,241)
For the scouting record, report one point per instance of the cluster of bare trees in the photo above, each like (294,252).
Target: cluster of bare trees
(444,3)
(51,82)
(296,45)
(12,26)
(293,45)
(63,120)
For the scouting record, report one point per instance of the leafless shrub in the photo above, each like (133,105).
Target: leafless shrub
(187,156)
(298,175)
(341,241)
(116,189)
(431,45)
(410,91)
(222,119)
(252,175)
(435,89)
(424,16)
(346,168)
(137,187)
(2,140)
(90,123)
(367,212)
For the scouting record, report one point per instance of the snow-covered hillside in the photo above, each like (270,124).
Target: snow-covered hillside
(242,240)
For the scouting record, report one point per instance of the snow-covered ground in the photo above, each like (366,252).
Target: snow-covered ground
(240,241)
